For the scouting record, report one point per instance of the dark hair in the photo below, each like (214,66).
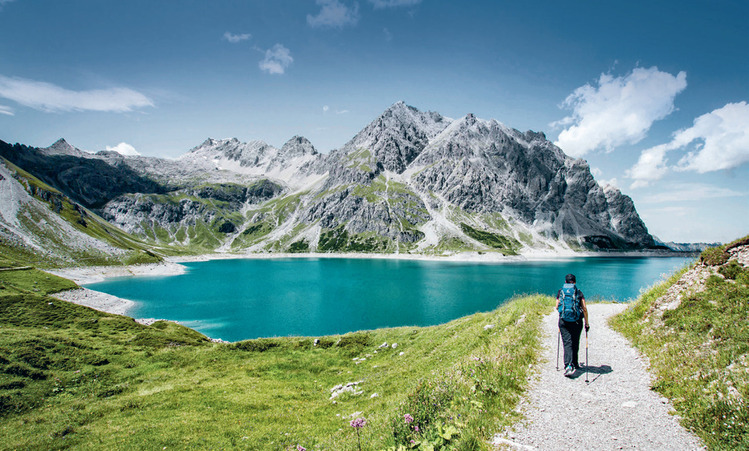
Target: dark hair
(569,278)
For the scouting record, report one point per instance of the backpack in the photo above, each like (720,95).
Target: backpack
(569,303)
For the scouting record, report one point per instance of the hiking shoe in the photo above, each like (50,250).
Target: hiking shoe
(569,371)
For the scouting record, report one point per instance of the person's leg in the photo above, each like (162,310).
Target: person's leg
(567,341)
(575,329)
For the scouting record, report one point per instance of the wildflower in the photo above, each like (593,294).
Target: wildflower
(416,428)
(358,423)
(300,448)
(408,418)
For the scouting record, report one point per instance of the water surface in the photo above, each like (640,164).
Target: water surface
(250,298)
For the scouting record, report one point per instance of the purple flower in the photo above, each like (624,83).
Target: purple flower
(408,418)
(300,448)
(416,428)
(358,423)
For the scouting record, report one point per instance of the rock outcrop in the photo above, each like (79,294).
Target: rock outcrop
(410,181)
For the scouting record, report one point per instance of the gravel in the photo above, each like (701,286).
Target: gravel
(615,410)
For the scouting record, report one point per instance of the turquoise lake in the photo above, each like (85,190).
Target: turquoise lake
(250,298)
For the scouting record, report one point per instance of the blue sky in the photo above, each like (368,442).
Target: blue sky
(653,94)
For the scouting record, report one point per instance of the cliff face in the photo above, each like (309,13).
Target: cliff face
(410,181)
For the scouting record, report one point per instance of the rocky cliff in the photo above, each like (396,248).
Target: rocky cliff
(410,181)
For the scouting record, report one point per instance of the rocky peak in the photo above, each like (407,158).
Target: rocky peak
(298,146)
(397,136)
(62,147)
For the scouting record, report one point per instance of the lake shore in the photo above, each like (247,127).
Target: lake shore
(174,266)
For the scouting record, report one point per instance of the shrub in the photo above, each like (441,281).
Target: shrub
(259,345)
(714,256)
(356,340)
(731,270)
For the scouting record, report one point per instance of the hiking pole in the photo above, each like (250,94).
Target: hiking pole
(559,336)
(586,355)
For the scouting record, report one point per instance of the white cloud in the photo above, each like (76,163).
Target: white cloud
(610,182)
(51,98)
(6,110)
(722,143)
(235,38)
(650,166)
(124,149)
(276,60)
(723,136)
(618,111)
(325,108)
(378,4)
(334,14)
(342,112)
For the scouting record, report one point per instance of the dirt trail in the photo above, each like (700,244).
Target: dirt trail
(615,410)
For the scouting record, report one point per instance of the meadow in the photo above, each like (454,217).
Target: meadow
(72,377)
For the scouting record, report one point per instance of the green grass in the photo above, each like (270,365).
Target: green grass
(506,245)
(339,240)
(71,377)
(698,353)
(37,221)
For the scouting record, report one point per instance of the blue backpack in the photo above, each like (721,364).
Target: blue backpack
(569,303)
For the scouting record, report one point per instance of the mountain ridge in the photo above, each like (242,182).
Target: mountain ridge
(409,181)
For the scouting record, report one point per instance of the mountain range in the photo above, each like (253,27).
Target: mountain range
(409,182)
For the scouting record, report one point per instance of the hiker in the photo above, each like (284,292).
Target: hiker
(572,310)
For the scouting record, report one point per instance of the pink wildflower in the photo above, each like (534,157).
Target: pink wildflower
(300,448)
(408,418)
(358,423)
(416,428)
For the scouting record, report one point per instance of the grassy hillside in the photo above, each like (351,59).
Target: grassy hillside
(72,377)
(699,351)
(72,245)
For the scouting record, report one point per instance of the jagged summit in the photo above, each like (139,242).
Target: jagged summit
(298,146)
(396,137)
(62,147)
(409,181)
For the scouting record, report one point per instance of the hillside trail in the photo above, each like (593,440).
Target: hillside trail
(615,410)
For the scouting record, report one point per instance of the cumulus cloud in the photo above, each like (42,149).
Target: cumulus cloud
(235,38)
(723,136)
(276,60)
(124,149)
(619,110)
(378,4)
(721,140)
(650,166)
(47,97)
(6,110)
(334,14)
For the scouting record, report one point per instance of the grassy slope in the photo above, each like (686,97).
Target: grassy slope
(74,377)
(699,353)
(80,219)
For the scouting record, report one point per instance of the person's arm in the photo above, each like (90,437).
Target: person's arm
(585,311)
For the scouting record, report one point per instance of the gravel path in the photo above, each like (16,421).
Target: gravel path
(615,410)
